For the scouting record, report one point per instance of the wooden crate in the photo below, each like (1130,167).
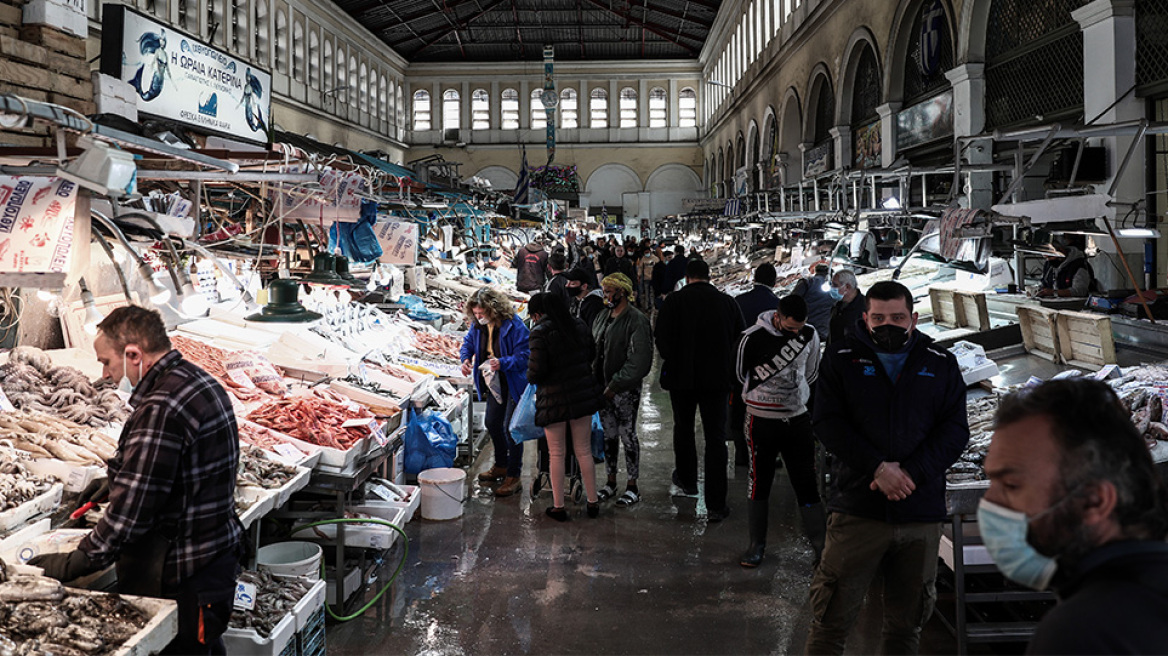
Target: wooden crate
(947,311)
(972,308)
(1085,340)
(1040,333)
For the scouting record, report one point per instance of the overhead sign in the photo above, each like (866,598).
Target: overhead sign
(399,242)
(36,224)
(179,78)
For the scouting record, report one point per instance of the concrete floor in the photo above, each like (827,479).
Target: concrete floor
(652,579)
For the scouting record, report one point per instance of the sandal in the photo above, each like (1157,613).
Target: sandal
(607,492)
(629,498)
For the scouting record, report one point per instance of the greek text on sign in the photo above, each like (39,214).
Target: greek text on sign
(399,242)
(36,224)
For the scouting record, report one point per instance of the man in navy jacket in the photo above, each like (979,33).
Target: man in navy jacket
(890,407)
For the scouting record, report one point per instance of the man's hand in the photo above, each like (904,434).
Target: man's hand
(467,367)
(892,481)
(64,566)
(97,491)
(493,363)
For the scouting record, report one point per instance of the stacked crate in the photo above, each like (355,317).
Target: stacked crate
(310,640)
(41,62)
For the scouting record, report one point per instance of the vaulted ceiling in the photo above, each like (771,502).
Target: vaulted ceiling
(518,30)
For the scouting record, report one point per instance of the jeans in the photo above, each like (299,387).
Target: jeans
(857,549)
(713,406)
(767,438)
(507,453)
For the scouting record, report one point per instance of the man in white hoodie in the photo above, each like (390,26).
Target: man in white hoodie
(778,361)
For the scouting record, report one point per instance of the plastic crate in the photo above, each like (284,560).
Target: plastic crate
(291,650)
(310,641)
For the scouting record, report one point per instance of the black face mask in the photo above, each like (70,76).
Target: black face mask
(889,337)
(574,291)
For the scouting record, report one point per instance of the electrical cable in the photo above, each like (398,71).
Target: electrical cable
(341,566)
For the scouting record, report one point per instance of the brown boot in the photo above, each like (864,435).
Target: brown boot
(493,474)
(510,486)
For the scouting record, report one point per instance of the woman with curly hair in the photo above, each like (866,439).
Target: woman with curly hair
(496,347)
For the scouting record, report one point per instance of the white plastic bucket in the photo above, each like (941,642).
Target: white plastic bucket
(442,492)
(300,559)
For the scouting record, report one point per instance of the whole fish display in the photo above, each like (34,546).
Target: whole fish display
(31,382)
(275,598)
(39,616)
(44,436)
(256,469)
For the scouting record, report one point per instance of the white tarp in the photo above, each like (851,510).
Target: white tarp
(1066,208)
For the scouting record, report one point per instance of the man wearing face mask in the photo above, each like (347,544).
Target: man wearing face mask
(849,305)
(890,408)
(1075,504)
(586,301)
(170,527)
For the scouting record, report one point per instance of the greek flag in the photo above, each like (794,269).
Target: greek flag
(732,207)
(523,186)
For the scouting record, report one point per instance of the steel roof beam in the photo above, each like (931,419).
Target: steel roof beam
(652,27)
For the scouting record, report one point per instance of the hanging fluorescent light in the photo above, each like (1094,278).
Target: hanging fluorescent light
(1144,233)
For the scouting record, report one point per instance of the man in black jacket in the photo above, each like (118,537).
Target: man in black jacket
(587,301)
(557,266)
(849,305)
(1075,503)
(890,407)
(530,264)
(697,333)
(620,262)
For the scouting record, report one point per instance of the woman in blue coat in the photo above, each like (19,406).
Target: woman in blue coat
(497,341)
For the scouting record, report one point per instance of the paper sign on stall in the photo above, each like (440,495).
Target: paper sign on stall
(36,224)
(399,242)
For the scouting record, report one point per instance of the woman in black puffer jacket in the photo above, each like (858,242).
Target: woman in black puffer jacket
(568,393)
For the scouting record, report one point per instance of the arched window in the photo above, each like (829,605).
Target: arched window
(375,84)
(280,58)
(929,54)
(239,26)
(383,105)
(421,110)
(1033,61)
(400,106)
(393,104)
(327,64)
(628,107)
(352,92)
(451,119)
(215,21)
(188,15)
(538,113)
(363,88)
(509,106)
(687,108)
(824,113)
(480,110)
(260,43)
(598,109)
(569,109)
(342,88)
(865,120)
(658,108)
(313,60)
(298,51)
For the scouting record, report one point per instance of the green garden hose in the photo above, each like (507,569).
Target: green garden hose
(341,566)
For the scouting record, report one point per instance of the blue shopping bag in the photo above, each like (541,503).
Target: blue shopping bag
(430,442)
(523,426)
(597,438)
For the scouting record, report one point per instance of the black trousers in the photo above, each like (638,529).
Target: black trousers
(713,405)
(205,602)
(767,438)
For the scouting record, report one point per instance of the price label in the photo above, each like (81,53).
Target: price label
(360,422)
(245,595)
(76,481)
(377,433)
(376,541)
(5,404)
(363,372)
(289,451)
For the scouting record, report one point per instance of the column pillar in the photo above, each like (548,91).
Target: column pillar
(968,82)
(887,114)
(842,136)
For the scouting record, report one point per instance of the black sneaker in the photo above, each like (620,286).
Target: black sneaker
(680,490)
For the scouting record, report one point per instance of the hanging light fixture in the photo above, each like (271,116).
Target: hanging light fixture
(93,316)
(283,306)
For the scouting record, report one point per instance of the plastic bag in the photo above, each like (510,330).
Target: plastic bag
(597,438)
(430,442)
(523,426)
(491,378)
(357,241)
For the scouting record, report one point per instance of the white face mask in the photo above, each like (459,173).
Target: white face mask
(482,321)
(125,386)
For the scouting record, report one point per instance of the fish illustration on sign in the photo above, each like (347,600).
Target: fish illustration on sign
(253,91)
(154,44)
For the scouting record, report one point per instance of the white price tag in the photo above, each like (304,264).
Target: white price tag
(245,595)
(363,372)
(5,404)
(376,541)
(289,451)
(378,434)
(76,480)
(360,422)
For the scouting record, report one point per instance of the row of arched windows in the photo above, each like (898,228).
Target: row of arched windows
(568,109)
(760,22)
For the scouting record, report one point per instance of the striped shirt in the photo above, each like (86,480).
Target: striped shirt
(174,472)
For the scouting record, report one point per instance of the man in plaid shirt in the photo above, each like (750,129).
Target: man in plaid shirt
(170,525)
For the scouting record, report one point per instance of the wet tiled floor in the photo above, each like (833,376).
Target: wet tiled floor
(655,578)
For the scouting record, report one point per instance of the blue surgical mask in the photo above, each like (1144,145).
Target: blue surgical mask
(836,294)
(1004,533)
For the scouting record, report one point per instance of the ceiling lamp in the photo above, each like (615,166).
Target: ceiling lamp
(283,305)
(324,272)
